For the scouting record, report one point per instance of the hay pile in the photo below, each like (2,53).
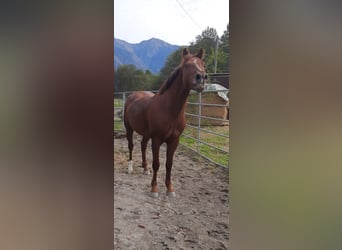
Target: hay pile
(210,111)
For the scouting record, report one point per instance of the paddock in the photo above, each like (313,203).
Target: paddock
(197,218)
(211,142)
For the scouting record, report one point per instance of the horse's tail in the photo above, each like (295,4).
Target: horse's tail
(125,119)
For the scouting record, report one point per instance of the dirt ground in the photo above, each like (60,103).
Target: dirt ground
(197,218)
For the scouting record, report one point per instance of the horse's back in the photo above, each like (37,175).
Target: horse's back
(136,107)
(138,99)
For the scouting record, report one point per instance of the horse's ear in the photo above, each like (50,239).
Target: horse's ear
(200,53)
(185,52)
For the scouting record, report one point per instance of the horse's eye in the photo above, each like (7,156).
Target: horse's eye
(198,77)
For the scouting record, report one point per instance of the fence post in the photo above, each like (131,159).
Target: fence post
(199,122)
(123,109)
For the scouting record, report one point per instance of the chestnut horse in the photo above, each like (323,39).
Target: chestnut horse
(161,116)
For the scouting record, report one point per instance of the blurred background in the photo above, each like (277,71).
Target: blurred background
(285,125)
(56,150)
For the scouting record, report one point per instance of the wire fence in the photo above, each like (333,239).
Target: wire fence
(207,127)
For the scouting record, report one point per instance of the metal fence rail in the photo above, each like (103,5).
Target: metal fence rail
(119,102)
(194,137)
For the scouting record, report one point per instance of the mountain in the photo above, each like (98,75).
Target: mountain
(147,55)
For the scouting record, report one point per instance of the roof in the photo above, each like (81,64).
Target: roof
(223,92)
(220,78)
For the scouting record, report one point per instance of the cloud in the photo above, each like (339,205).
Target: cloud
(136,20)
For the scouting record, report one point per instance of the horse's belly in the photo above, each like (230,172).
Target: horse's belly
(166,133)
(136,112)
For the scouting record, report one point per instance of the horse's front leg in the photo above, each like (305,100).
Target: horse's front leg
(171,148)
(155,165)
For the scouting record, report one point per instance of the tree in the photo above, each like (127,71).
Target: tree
(124,77)
(207,40)
(224,49)
(171,63)
(150,80)
(129,78)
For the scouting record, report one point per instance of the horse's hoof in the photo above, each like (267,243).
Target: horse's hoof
(154,194)
(130,167)
(146,172)
(171,194)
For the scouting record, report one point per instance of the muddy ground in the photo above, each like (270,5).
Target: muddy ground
(197,218)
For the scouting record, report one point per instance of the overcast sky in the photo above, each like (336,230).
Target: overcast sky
(138,20)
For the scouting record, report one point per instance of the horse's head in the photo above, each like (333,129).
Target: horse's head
(194,70)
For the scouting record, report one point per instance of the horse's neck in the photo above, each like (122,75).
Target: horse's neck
(177,95)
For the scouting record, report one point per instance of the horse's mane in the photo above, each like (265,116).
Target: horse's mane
(171,78)
(166,84)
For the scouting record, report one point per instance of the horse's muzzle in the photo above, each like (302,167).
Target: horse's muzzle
(198,87)
(200,82)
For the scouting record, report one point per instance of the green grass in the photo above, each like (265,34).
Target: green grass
(118,125)
(218,141)
(118,104)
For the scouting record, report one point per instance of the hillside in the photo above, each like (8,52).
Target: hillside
(147,55)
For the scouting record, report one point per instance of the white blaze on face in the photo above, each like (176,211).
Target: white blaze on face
(198,67)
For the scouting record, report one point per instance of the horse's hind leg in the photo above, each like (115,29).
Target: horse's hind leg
(171,148)
(129,135)
(143,153)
